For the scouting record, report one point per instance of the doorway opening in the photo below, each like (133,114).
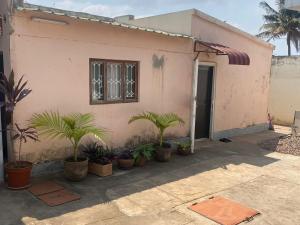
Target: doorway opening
(204,101)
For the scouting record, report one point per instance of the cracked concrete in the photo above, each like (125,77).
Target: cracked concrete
(161,192)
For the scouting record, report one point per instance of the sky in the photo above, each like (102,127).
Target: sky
(244,14)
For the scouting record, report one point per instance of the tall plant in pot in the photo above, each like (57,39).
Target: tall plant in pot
(161,122)
(72,127)
(14,92)
(18,172)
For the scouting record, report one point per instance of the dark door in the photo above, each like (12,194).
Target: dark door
(3,114)
(204,99)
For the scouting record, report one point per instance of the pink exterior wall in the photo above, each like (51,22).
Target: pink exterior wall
(55,61)
(241,92)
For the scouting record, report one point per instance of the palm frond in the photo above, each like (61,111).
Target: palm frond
(162,122)
(269,10)
(51,124)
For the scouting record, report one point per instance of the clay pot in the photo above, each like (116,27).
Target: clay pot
(76,171)
(125,164)
(100,170)
(141,162)
(18,174)
(183,152)
(163,153)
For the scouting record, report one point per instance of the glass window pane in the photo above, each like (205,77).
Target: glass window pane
(114,81)
(97,81)
(130,81)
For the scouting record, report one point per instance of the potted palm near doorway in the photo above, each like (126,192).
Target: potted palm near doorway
(72,127)
(162,122)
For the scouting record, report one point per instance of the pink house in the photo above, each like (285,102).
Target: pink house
(215,76)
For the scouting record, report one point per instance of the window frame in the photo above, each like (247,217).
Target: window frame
(123,80)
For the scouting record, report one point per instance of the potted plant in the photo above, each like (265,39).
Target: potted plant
(162,122)
(184,148)
(72,127)
(18,172)
(142,153)
(126,160)
(100,159)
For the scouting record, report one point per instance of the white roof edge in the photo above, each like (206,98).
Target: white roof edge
(220,23)
(112,23)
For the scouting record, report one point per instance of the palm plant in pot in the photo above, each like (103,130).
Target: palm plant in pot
(143,153)
(100,159)
(162,122)
(18,172)
(72,127)
(14,92)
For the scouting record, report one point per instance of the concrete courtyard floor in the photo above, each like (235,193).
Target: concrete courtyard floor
(160,193)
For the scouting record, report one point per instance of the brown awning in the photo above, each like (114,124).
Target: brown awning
(235,57)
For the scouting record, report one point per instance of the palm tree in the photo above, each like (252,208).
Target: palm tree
(281,23)
(72,127)
(162,122)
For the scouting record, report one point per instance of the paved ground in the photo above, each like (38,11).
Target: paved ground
(160,193)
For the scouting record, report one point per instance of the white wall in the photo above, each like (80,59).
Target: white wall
(284,90)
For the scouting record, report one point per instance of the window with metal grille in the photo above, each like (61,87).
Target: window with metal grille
(113,81)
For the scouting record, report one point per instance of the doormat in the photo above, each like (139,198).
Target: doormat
(59,197)
(44,188)
(52,193)
(224,211)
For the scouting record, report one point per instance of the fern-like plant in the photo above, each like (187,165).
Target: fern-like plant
(161,121)
(72,127)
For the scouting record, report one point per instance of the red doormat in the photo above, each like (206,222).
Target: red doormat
(59,197)
(52,193)
(224,211)
(44,188)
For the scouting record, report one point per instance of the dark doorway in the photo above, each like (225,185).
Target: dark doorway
(3,114)
(204,100)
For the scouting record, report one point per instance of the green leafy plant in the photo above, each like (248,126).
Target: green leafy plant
(281,23)
(22,135)
(162,122)
(145,150)
(97,153)
(185,146)
(72,127)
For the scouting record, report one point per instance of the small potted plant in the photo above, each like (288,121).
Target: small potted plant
(72,127)
(142,153)
(184,148)
(162,122)
(126,160)
(100,159)
(18,173)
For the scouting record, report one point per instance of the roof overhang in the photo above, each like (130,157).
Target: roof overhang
(235,57)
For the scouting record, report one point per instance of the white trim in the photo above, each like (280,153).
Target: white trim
(194,104)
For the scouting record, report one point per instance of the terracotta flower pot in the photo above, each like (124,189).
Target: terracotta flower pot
(100,170)
(125,164)
(183,152)
(18,174)
(76,171)
(163,153)
(141,162)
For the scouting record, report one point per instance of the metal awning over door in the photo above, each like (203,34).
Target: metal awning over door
(235,57)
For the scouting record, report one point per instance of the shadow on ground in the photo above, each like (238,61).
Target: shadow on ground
(17,205)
